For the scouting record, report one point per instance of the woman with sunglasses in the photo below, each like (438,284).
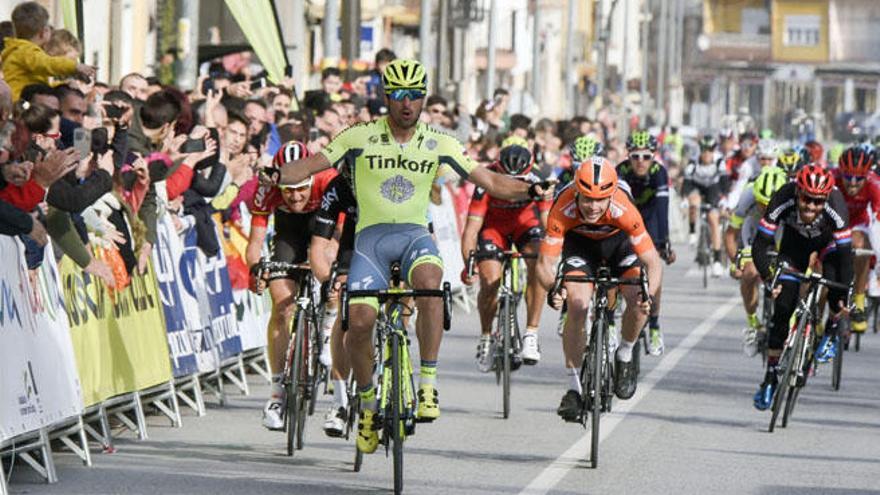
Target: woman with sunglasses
(813,217)
(648,183)
(860,188)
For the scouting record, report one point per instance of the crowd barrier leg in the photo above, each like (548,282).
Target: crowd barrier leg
(119,406)
(45,466)
(258,361)
(65,432)
(212,382)
(3,490)
(158,396)
(191,384)
(234,371)
(98,414)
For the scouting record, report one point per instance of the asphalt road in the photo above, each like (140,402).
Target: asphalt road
(691,428)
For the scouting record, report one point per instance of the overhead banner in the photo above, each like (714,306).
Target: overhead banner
(120,340)
(38,382)
(256,19)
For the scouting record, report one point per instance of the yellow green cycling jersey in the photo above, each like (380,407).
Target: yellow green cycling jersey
(392,181)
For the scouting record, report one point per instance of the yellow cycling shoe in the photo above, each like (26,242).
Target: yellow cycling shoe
(368,434)
(859,320)
(429,405)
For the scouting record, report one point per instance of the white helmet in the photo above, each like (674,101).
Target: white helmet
(768,148)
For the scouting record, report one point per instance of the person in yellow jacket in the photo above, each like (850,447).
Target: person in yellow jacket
(23,59)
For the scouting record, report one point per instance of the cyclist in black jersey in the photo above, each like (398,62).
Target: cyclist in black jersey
(705,180)
(814,219)
(337,202)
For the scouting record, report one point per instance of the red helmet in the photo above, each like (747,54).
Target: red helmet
(816,151)
(289,152)
(815,180)
(856,161)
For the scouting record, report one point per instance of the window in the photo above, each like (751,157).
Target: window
(801,30)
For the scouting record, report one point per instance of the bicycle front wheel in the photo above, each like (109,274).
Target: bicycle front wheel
(597,354)
(505,353)
(294,396)
(396,404)
(837,372)
(791,358)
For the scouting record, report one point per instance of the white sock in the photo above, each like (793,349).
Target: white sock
(276,390)
(625,351)
(340,395)
(327,321)
(574,380)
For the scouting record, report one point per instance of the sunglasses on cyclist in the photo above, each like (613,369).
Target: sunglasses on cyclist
(296,187)
(645,156)
(853,178)
(401,94)
(812,200)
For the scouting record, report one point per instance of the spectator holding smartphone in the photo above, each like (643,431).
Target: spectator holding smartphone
(24,61)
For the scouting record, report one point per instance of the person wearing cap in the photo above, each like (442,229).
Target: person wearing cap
(392,163)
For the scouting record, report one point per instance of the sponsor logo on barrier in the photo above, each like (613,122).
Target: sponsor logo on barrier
(29,401)
(135,298)
(80,304)
(8,306)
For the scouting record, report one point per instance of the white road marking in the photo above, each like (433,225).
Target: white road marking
(575,455)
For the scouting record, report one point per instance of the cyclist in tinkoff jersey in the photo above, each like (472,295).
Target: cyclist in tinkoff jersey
(648,184)
(860,188)
(813,217)
(705,180)
(391,163)
(593,223)
(494,225)
(738,242)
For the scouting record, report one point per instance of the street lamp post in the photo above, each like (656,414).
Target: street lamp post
(490,50)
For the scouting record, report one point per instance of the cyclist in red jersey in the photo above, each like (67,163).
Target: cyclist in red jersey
(294,207)
(860,188)
(494,225)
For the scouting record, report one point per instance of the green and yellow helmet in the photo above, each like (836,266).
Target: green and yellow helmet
(770,180)
(788,160)
(641,140)
(585,147)
(404,74)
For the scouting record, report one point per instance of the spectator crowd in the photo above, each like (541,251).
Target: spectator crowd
(93,165)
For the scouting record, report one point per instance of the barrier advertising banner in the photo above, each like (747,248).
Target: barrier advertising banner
(38,383)
(118,336)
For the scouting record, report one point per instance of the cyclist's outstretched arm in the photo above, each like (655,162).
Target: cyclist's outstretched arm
(300,170)
(498,185)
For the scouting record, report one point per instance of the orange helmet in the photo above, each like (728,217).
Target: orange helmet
(596,178)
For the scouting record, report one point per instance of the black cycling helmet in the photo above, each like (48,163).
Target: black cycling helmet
(708,142)
(515,159)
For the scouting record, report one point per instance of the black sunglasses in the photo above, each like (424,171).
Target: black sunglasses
(812,200)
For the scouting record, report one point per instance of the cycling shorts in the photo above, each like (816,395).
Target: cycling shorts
(376,247)
(290,243)
(710,194)
(583,256)
(499,233)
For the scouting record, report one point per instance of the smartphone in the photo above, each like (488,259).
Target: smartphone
(314,134)
(258,84)
(193,146)
(99,141)
(288,71)
(207,85)
(82,142)
(113,111)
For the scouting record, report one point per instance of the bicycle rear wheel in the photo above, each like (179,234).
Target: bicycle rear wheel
(705,254)
(597,351)
(396,423)
(504,320)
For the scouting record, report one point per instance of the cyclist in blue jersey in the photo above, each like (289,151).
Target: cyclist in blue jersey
(648,184)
